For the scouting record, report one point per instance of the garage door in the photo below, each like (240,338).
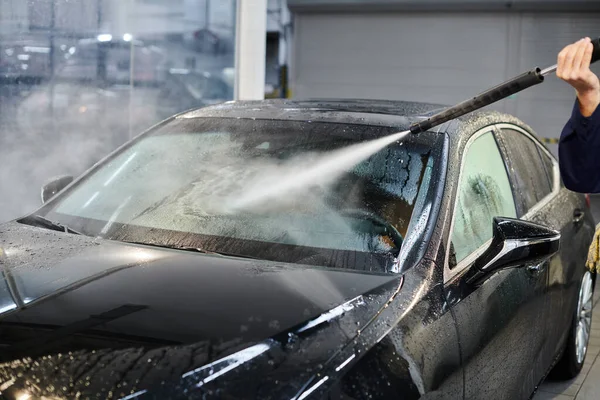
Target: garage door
(437,57)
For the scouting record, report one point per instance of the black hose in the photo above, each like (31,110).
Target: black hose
(492,95)
(486,98)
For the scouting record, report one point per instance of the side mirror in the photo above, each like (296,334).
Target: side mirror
(515,243)
(54,186)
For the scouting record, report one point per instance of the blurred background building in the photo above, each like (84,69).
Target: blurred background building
(78,78)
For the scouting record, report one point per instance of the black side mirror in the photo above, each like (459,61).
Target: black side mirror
(515,243)
(54,186)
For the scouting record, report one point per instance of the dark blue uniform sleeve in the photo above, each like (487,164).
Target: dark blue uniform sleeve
(579,152)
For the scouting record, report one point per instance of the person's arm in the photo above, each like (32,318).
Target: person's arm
(579,146)
(579,152)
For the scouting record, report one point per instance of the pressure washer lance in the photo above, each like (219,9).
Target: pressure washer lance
(502,91)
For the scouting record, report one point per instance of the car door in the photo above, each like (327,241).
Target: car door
(535,174)
(501,321)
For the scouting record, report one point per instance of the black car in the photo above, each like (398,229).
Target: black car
(107,60)
(447,265)
(26,61)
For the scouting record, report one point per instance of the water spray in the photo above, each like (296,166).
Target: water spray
(300,174)
(330,166)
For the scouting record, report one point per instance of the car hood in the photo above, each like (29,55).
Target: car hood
(63,294)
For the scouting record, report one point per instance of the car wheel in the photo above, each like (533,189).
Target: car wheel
(573,357)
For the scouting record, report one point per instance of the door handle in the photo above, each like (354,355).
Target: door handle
(537,268)
(578,216)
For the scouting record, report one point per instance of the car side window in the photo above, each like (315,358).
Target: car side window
(528,172)
(484,192)
(548,164)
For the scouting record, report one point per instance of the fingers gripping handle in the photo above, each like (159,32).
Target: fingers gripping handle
(595,57)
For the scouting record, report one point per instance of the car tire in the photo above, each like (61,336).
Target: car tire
(573,357)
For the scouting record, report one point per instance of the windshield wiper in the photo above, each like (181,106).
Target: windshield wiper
(191,248)
(42,222)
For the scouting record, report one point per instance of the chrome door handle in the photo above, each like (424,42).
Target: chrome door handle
(578,216)
(536,269)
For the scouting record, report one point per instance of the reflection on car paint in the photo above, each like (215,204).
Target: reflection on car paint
(217,368)
(336,312)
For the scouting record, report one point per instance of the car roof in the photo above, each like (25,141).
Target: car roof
(388,113)
(358,111)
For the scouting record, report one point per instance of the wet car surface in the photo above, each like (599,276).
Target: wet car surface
(445,266)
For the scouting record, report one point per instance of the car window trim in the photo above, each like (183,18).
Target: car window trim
(555,169)
(460,267)
(450,274)
(519,203)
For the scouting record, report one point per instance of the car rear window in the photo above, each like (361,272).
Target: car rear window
(527,169)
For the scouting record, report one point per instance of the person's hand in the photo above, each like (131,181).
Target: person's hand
(574,68)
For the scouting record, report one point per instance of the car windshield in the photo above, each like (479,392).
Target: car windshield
(187,184)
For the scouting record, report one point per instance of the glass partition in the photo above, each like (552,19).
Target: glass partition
(79,78)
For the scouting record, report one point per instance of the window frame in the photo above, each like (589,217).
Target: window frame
(461,266)
(555,189)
